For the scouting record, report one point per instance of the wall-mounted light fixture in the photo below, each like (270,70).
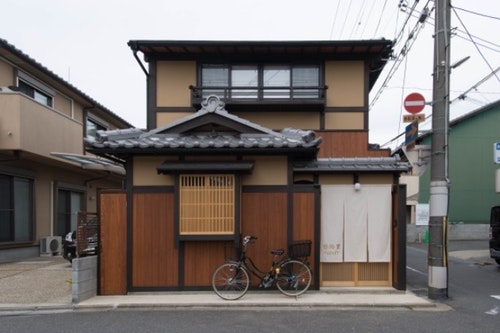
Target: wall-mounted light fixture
(355,180)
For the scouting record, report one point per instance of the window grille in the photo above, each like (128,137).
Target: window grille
(207,205)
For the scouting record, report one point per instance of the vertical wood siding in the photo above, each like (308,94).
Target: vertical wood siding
(334,145)
(264,215)
(200,260)
(154,256)
(303,220)
(113,248)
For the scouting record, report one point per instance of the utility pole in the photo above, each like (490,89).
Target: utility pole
(439,185)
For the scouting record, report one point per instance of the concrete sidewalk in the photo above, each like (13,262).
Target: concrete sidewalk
(338,298)
(44,285)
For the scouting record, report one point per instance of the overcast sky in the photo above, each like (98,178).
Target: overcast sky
(85,43)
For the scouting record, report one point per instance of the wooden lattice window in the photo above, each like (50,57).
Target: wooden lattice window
(207,205)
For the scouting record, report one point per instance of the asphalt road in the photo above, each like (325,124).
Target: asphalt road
(473,277)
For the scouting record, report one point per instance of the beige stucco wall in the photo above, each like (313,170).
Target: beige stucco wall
(346,83)
(165,118)
(280,120)
(268,170)
(31,126)
(6,74)
(64,105)
(173,81)
(344,120)
(145,173)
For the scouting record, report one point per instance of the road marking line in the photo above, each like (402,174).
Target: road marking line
(415,270)
(496,309)
(493,311)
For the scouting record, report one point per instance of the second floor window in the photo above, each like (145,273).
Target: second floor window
(94,126)
(36,94)
(265,81)
(35,89)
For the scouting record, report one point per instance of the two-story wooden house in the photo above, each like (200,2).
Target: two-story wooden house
(252,137)
(46,176)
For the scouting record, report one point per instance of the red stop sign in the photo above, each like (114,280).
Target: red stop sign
(414,103)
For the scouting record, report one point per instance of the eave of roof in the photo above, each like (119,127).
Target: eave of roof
(169,167)
(92,162)
(327,48)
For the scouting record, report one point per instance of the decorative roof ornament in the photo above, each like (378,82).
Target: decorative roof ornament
(212,104)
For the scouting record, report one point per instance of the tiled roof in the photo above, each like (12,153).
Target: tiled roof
(233,133)
(354,164)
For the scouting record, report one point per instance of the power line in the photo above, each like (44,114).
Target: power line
(380,17)
(412,36)
(476,13)
(345,20)
(475,44)
(334,19)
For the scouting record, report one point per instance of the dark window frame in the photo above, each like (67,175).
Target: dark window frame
(8,217)
(35,89)
(99,125)
(285,93)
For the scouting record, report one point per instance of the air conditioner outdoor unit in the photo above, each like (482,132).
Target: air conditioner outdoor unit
(50,245)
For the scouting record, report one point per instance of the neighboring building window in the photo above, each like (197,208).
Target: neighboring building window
(93,126)
(69,203)
(16,209)
(207,205)
(271,81)
(35,89)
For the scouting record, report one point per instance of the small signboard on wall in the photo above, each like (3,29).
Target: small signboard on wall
(422,214)
(496,153)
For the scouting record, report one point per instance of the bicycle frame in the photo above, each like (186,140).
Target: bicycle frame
(248,264)
(291,275)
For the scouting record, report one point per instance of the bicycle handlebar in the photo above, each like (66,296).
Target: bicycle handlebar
(248,239)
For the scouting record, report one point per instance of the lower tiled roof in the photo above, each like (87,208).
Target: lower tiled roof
(354,164)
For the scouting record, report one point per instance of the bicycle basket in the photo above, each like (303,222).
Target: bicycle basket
(300,249)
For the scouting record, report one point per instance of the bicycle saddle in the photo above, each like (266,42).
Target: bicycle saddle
(278,252)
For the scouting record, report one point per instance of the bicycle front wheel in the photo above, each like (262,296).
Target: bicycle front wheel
(294,278)
(230,281)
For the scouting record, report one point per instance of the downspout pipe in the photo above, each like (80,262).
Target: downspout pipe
(133,46)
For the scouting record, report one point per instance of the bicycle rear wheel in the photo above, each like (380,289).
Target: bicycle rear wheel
(294,278)
(230,281)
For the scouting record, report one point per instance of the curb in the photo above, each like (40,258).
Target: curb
(18,310)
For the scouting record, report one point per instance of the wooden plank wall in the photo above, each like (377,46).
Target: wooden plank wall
(264,215)
(303,221)
(348,144)
(113,247)
(200,261)
(154,255)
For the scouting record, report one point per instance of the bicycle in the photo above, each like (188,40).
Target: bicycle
(291,274)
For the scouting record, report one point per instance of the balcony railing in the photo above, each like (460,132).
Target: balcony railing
(265,96)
